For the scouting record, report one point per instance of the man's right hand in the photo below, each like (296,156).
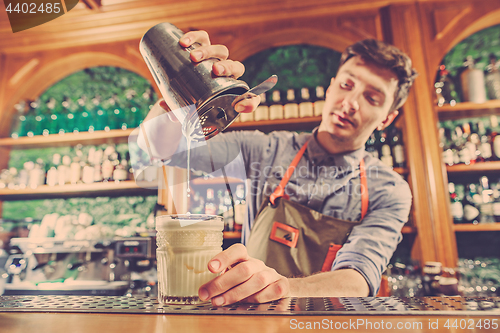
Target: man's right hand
(224,67)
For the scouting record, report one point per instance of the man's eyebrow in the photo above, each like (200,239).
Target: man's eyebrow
(369,85)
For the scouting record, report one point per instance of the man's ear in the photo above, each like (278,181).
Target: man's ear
(388,120)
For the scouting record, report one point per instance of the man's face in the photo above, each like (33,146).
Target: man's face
(357,102)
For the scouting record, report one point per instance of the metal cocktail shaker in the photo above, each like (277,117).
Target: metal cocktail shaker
(200,100)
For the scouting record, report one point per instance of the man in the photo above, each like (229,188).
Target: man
(372,83)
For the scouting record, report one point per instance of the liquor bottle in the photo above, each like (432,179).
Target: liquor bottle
(118,119)
(239,207)
(473,85)
(220,203)
(76,168)
(64,170)
(385,150)
(84,119)
(492,78)
(197,204)
(88,167)
(486,205)
(39,123)
(63,116)
(72,114)
(135,118)
(229,212)
(97,162)
(398,153)
(319,101)
(471,140)
(40,172)
(52,109)
(370,146)
(495,138)
(430,281)
(276,108)
(496,202)
(457,209)
(210,206)
(445,88)
(262,111)
(471,213)
(31,119)
(306,108)
(18,121)
(445,143)
(121,169)
(291,108)
(52,174)
(108,165)
(460,140)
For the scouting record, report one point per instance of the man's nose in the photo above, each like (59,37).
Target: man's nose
(350,103)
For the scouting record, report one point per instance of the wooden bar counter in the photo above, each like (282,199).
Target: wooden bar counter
(57,314)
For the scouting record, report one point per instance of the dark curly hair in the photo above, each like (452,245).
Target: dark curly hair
(385,56)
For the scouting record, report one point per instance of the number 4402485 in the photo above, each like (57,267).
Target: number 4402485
(32,8)
(472,324)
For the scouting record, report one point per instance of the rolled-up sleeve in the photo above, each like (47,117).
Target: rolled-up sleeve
(372,243)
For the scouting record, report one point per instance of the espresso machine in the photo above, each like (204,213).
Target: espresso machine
(48,266)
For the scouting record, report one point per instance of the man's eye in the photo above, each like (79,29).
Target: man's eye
(344,85)
(373,100)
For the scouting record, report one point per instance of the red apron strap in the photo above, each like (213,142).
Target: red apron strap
(364,189)
(280,190)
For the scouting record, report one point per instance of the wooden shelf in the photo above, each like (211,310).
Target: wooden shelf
(215,181)
(129,187)
(474,168)
(469,227)
(302,124)
(67,139)
(232,234)
(468,109)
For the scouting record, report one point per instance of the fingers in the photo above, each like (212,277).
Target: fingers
(212,51)
(248,104)
(192,37)
(274,291)
(205,51)
(224,260)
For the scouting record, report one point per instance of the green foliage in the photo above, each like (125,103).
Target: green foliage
(479,45)
(104,210)
(297,66)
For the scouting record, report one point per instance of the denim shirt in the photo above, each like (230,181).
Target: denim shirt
(327,183)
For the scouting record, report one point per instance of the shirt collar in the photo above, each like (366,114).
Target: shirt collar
(319,156)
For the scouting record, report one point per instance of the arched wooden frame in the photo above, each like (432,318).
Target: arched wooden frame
(243,49)
(54,71)
(456,36)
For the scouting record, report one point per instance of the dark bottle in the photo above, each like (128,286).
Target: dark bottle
(457,209)
(430,282)
(398,152)
(495,138)
(18,127)
(370,146)
(445,87)
(470,203)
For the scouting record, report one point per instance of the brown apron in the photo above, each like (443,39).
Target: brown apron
(296,240)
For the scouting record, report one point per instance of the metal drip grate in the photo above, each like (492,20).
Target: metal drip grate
(287,306)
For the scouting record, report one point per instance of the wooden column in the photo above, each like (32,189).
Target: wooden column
(435,235)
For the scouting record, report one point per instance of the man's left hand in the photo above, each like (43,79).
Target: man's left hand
(243,279)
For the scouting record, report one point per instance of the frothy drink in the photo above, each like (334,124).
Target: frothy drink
(185,245)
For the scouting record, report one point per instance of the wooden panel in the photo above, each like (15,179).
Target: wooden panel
(477,227)
(445,23)
(30,74)
(432,217)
